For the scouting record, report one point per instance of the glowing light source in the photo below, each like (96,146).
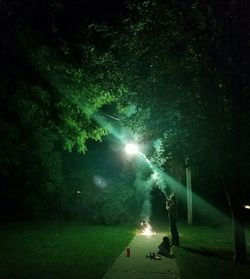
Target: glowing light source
(247,206)
(131,148)
(147,229)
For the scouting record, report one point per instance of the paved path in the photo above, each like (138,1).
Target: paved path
(138,267)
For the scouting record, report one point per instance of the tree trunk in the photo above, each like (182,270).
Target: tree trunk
(240,251)
(237,212)
(237,181)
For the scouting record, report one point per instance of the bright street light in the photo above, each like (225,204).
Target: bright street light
(131,148)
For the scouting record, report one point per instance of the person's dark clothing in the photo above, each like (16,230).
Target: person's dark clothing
(172,222)
(164,247)
(173,228)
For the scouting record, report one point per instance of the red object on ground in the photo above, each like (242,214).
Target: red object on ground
(128,252)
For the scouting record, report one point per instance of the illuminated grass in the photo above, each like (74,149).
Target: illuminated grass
(207,253)
(87,251)
(60,251)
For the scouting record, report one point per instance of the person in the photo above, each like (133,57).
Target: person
(171,208)
(164,247)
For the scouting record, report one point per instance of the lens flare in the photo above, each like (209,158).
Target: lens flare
(131,148)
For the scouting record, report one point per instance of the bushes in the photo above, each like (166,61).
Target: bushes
(113,203)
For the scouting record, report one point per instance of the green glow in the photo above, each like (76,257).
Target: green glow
(162,180)
(101,120)
(131,148)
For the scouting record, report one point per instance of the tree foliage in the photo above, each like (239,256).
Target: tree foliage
(52,83)
(188,66)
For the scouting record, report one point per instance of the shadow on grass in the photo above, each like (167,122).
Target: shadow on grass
(205,252)
(216,225)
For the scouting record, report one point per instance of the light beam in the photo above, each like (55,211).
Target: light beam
(132,148)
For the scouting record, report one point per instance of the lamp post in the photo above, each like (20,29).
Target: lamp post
(189,192)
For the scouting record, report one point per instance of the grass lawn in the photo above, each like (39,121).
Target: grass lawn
(87,251)
(207,253)
(60,250)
